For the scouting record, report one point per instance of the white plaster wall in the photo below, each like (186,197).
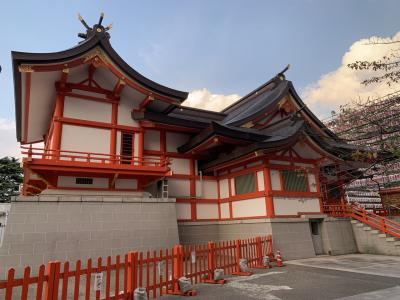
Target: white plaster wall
(85,139)
(249,208)
(42,99)
(118,148)
(180,166)
(178,188)
(224,188)
(152,140)
(312,182)
(183,211)
(275,180)
(69,181)
(87,110)
(225,210)
(126,184)
(174,140)
(129,100)
(207,211)
(207,190)
(294,205)
(151,158)
(260,180)
(233,191)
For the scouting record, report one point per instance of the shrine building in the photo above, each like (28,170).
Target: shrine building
(110,136)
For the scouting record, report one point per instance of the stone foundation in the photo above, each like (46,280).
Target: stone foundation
(38,231)
(338,237)
(291,236)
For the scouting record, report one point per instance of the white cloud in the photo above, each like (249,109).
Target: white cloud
(8,142)
(205,100)
(344,84)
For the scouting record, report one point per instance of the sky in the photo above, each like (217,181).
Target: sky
(216,50)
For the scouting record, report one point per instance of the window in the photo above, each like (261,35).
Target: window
(245,184)
(294,181)
(126,147)
(81,180)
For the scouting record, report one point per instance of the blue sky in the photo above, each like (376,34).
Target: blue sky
(227,47)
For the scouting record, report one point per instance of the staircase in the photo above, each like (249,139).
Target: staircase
(373,233)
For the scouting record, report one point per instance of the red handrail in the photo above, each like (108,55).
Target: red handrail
(359,213)
(92,157)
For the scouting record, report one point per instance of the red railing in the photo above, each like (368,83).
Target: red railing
(92,158)
(156,271)
(357,212)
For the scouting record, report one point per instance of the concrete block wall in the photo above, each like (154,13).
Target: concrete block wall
(337,236)
(203,232)
(37,232)
(372,241)
(291,236)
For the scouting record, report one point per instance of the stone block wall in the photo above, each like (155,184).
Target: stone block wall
(337,236)
(37,232)
(291,236)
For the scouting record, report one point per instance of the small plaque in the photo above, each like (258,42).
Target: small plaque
(98,281)
(193,256)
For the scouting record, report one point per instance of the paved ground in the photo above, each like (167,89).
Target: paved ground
(346,277)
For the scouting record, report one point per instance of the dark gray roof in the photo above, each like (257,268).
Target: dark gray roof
(100,39)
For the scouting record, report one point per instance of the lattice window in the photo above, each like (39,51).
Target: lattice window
(294,181)
(245,184)
(126,147)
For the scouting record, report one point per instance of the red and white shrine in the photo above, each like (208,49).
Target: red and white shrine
(106,129)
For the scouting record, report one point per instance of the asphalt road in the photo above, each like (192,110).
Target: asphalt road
(317,280)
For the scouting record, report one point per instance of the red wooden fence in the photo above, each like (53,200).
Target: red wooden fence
(157,271)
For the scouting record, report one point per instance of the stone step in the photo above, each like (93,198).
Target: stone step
(397,243)
(354,222)
(375,231)
(382,235)
(359,225)
(367,228)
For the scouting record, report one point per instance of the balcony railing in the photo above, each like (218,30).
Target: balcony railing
(92,158)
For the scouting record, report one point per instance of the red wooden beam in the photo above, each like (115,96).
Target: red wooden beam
(146,101)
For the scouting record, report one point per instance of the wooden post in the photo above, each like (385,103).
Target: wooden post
(53,273)
(211,262)
(132,272)
(259,252)
(177,267)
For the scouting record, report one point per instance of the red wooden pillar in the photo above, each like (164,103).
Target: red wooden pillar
(211,261)
(57,127)
(177,265)
(269,201)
